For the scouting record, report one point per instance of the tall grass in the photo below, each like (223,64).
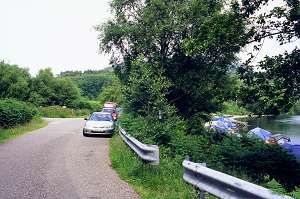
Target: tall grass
(233,108)
(295,110)
(160,182)
(7,134)
(61,112)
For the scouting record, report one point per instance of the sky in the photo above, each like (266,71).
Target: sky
(52,33)
(36,34)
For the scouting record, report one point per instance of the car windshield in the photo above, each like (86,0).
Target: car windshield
(100,117)
(107,110)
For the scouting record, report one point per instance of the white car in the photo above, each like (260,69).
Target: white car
(99,123)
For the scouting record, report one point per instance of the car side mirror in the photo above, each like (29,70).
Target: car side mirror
(85,118)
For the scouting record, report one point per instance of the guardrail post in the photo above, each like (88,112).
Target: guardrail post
(201,194)
(156,155)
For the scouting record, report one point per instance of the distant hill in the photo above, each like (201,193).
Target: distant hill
(90,82)
(76,73)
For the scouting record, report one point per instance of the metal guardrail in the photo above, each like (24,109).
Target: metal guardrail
(224,186)
(148,153)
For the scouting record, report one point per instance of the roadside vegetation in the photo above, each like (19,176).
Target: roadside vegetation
(161,182)
(18,130)
(295,110)
(25,99)
(177,64)
(63,112)
(62,96)
(90,83)
(233,108)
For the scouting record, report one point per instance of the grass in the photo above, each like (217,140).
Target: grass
(295,110)
(151,182)
(61,112)
(8,134)
(232,108)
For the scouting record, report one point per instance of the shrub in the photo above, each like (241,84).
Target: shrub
(295,110)
(112,92)
(233,108)
(61,112)
(260,160)
(86,104)
(13,112)
(14,82)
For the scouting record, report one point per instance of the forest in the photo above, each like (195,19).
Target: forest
(70,94)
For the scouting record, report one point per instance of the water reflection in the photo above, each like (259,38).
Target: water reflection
(289,126)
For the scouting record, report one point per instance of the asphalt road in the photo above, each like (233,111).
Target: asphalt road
(58,162)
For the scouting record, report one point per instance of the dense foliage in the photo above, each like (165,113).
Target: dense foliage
(13,112)
(112,92)
(242,157)
(14,82)
(171,38)
(62,112)
(275,88)
(176,61)
(90,83)
(47,90)
(192,44)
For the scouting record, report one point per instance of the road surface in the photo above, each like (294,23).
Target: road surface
(58,162)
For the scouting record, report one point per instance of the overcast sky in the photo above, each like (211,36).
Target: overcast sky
(59,34)
(52,33)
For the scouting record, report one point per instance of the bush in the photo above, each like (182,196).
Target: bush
(61,112)
(14,82)
(163,181)
(259,161)
(112,92)
(233,108)
(295,110)
(13,112)
(244,158)
(86,104)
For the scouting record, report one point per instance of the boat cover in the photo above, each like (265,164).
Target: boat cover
(223,124)
(260,133)
(293,149)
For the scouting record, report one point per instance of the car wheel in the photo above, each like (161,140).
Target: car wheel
(84,134)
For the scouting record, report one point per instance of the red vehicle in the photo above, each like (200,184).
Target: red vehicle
(278,139)
(112,111)
(110,105)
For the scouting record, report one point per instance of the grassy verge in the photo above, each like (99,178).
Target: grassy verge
(7,134)
(232,108)
(61,112)
(159,182)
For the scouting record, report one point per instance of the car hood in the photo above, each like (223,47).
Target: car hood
(98,124)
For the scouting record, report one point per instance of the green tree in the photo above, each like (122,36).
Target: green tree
(193,43)
(42,88)
(90,82)
(274,89)
(66,92)
(112,92)
(14,82)
(48,90)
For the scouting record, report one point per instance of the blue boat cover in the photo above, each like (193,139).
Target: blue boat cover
(261,133)
(223,124)
(293,149)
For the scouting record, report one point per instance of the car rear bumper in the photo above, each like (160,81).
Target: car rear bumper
(98,132)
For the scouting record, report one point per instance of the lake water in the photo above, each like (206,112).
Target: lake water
(289,126)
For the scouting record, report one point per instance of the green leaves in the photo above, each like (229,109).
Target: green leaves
(276,88)
(13,112)
(48,90)
(14,82)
